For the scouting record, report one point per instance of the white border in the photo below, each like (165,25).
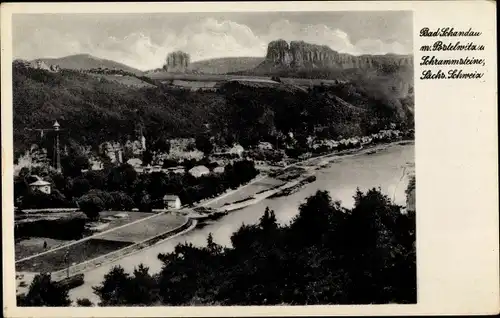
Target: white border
(456,166)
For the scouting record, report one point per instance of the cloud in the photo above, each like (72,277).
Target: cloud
(210,39)
(48,42)
(205,39)
(372,46)
(316,34)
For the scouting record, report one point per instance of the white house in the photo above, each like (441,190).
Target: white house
(264,145)
(199,171)
(171,201)
(40,185)
(219,170)
(176,170)
(135,162)
(237,150)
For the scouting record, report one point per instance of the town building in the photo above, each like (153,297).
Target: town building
(199,171)
(264,145)
(171,201)
(40,185)
(237,150)
(219,170)
(176,170)
(135,162)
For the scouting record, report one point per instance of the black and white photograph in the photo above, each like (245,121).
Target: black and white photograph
(214,158)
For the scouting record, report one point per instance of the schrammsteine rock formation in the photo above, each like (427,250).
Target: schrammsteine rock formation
(301,54)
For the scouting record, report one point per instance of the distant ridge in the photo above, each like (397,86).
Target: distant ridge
(87,62)
(226,65)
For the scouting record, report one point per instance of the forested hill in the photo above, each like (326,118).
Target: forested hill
(94,110)
(86,62)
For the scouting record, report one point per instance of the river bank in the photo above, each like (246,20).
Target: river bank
(113,253)
(339,173)
(382,169)
(304,175)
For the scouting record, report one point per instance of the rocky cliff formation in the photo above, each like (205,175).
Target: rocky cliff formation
(44,66)
(177,62)
(300,54)
(39,64)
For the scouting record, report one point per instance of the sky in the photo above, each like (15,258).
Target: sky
(144,40)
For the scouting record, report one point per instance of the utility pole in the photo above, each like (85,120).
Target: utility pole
(66,260)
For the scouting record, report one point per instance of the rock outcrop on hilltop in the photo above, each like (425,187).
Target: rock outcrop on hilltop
(177,62)
(44,66)
(301,54)
(39,64)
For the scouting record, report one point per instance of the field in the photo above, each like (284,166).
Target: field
(125,80)
(143,230)
(34,245)
(131,217)
(223,77)
(77,253)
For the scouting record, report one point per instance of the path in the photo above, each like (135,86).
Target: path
(258,178)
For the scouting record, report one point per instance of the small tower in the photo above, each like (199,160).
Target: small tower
(57,127)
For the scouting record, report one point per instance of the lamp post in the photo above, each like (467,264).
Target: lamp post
(66,260)
(57,127)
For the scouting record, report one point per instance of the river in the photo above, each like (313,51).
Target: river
(387,169)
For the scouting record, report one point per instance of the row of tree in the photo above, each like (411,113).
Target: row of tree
(121,188)
(327,255)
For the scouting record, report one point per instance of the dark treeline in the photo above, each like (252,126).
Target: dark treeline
(62,229)
(326,255)
(106,110)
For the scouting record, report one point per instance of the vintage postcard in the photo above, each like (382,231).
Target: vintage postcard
(267,158)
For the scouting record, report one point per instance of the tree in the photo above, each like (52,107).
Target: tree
(122,201)
(44,292)
(144,287)
(213,247)
(268,221)
(40,200)
(204,144)
(161,145)
(326,255)
(115,288)
(72,165)
(91,205)
(119,288)
(121,178)
(80,186)
(96,179)
(84,302)
(145,203)
(106,197)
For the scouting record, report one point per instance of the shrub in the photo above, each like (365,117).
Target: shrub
(44,292)
(106,197)
(145,204)
(40,200)
(84,302)
(91,205)
(122,201)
